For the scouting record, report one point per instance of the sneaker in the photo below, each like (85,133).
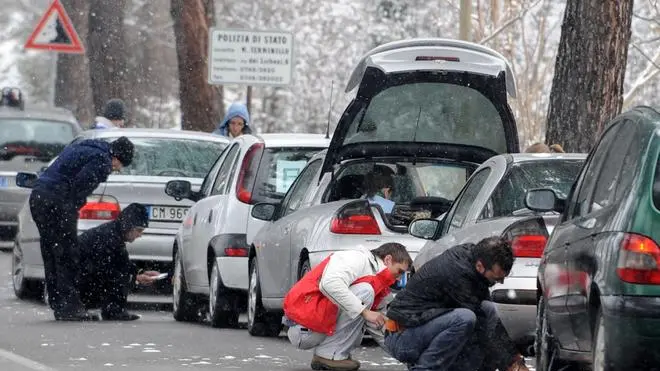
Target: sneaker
(121,316)
(320,363)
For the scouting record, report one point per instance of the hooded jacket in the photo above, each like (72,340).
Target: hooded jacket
(103,248)
(235,110)
(76,172)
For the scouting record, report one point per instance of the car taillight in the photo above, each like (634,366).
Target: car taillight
(100,208)
(528,246)
(355,218)
(432,58)
(248,173)
(236,251)
(639,260)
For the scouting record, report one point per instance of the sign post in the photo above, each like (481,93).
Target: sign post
(250,57)
(55,33)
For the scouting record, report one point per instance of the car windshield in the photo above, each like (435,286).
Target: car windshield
(278,169)
(509,196)
(43,139)
(172,157)
(430,112)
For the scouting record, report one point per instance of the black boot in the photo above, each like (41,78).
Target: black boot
(124,315)
(76,316)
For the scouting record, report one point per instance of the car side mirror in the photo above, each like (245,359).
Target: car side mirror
(544,200)
(179,189)
(425,228)
(264,211)
(26,179)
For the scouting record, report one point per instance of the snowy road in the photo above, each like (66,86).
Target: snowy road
(31,340)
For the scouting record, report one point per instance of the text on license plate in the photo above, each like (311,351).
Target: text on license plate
(167,213)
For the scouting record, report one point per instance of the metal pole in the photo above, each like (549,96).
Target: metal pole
(465,25)
(53,76)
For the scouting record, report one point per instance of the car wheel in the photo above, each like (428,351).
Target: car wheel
(24,288)
(544,346)
(184,304)
(223,306)
(599,352)
(260,322)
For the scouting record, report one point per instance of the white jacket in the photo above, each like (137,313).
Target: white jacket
(344,268)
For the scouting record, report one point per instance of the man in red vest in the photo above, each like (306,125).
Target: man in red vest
(329,307)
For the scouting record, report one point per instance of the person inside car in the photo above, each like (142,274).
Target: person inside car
(327,310)
(107,273)
(379,187)
(444,318)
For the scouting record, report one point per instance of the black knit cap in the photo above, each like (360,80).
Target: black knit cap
(134,215)
(115,109)
(122,148)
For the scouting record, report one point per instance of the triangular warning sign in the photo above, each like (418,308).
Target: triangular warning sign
(55,32)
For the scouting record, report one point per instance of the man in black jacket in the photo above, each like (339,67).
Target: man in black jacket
(444,318)
(58,194)
(107,273)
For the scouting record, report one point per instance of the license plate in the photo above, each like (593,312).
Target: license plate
(4,182)
(167,213)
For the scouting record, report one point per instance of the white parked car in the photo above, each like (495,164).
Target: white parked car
(211,247)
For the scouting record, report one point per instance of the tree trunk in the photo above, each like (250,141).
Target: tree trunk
(106,50)
(72,88)
(201,104)
(587,89)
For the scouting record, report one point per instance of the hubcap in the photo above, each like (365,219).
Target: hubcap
(17,263)
(176,284)
(599,356)
(252,295)
(213,290)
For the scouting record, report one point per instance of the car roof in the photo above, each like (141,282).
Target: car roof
(39,113)
(294,140)
(152,133)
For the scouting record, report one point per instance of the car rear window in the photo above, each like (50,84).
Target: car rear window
(430,112)
(278,168)
(39,138)
(509,196)
(172,157)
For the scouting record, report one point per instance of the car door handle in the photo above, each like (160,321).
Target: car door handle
(210,215)
(195,219)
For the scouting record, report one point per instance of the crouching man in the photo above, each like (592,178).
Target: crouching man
(107,275)
(328,308)
(444,318)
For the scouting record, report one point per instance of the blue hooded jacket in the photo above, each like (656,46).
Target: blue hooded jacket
(77,171)
(236,109)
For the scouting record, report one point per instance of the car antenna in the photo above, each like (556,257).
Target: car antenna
(414,161)
(327,129)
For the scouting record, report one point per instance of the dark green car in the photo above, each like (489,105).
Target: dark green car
(599,277)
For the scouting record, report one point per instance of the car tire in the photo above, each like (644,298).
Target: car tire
(600,360)
(260,322)
(223,305)
(545,347)
(24,288)
(185,306)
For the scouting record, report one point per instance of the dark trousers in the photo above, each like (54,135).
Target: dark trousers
(104,288)
(57,223)
(456,340)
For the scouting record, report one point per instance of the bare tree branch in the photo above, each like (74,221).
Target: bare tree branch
(651,60)
(649,72)
(509,23)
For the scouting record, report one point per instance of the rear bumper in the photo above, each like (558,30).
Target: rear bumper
(234,272)
(516,304)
